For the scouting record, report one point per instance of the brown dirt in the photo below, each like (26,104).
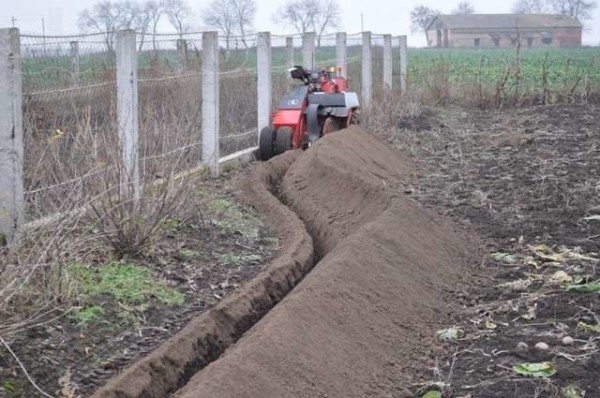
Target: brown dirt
(207,336)
(523,178)
(188,259)
(361,323)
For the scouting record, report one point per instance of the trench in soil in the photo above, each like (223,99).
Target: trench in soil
(367,310)
(215,351)
(230,325)
(384,264)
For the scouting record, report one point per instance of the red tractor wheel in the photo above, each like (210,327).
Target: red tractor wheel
(265,143)
(330,125)
(283,140)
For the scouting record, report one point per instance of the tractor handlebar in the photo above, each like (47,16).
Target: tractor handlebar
(311,77)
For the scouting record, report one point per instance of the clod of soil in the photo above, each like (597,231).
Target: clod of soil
(363,321)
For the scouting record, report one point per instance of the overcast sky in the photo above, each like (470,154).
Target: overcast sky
(380,16)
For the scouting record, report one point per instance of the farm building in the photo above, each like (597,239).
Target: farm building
(504,30)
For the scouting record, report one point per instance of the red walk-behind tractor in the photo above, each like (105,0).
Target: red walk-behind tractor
(321,105)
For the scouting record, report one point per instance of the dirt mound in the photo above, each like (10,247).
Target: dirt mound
(360,322)
(172,364)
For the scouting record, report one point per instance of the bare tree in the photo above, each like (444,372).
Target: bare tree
(220,15)
(107,17)
(464,8)
(231,17)
(304,15)
(298,13)
(143,21)
(326,18)
(530,7)
(178,12)
(134,16)
(129,13)
(579,9)
(245,12)
(104,17)
(154,11)
(421,17)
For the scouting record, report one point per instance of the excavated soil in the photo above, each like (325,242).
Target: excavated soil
(203,339)
(363,322)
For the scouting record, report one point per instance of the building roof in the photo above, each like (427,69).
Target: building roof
(504,21)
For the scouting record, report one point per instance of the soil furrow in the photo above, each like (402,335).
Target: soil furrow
(366,315)
(205,338)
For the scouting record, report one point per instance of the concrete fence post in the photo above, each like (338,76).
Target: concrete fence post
(127,112)
(341,52)
(289,50)
(308,50)
(74,78)
(11,136)
(210,102)
(403,48)
(367,69)
(387,62)
(264,82)
(181,56)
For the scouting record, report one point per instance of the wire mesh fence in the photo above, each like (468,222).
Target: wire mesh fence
(70,105)
(354,61)
(169,90)
(69,86)
(377,42)
(70,97)
(238,93)
(396,66)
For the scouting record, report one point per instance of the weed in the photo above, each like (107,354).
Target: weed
(11,388)
(230,219)
(188,254)
(126,284)
(235,260)
(8,386)
(171,224)
(271,241)
(88,314)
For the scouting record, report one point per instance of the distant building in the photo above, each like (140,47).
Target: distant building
(504,30)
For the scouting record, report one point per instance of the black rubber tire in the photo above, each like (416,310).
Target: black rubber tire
(265,143)
(283,140)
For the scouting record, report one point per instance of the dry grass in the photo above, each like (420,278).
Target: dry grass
(72,178)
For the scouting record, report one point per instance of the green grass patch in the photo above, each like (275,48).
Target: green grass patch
(229,218)
(128,285)
(11,388)
(88,314)
(271,241)
(237,260)
(172,224)
(188,254)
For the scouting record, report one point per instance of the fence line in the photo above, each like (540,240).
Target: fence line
(367,69)
(11,136)
(210,102)
(127,113)
(308,50)
(69,66)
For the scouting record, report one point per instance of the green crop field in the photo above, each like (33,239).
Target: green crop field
(446,72)
(561,69)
